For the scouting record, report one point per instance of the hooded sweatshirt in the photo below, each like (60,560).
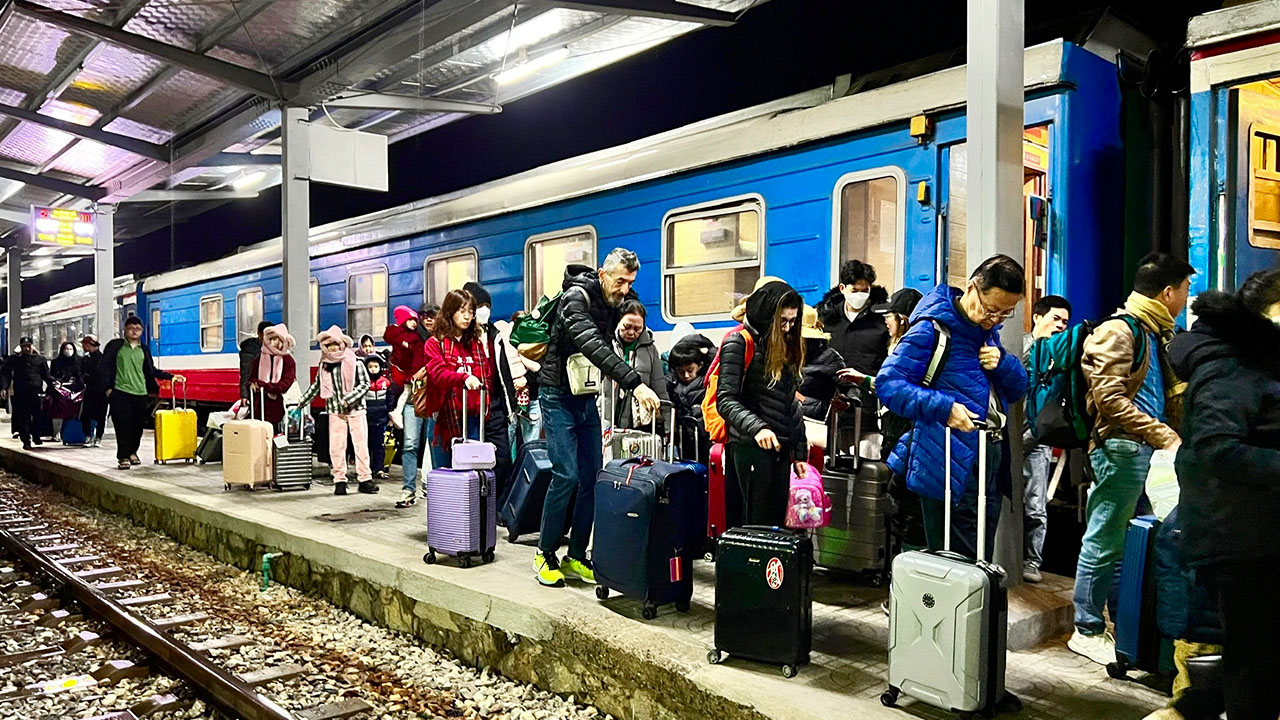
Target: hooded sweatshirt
(406,346)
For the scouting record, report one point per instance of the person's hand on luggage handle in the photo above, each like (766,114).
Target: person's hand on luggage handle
(648,398)
(962,418)
(989,356)
(767,440)
(472,383)
(799,468)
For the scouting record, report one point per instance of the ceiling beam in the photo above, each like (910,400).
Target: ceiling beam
(235,159)
(15,215)
(664,9)
(252,81)
(409,103)
(52,184)
(179,195)
(151,151)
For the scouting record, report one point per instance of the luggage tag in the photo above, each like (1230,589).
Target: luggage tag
(677,568)
(281,441)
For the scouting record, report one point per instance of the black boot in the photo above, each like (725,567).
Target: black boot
(340,488)
(368,487)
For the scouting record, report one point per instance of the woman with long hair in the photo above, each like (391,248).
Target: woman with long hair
(455,358)
(758,400)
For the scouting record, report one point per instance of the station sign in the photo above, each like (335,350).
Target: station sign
(63,227)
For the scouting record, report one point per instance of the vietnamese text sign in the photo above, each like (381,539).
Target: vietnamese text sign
(63,227)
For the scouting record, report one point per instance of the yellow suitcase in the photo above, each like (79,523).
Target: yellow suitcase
(176,436)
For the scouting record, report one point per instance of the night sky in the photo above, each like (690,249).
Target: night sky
(778,49)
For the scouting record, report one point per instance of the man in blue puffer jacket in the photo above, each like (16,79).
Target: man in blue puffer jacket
(970,391)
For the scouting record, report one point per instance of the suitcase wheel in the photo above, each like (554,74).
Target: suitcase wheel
(488,556)
(465,561)
(714,657)
(682,606)
(1118,670)
(889,697)
(788,671)
(429,558)
(650,611)
(602,592)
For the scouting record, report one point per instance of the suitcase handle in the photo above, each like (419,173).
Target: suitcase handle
(173,390)
(982,495)
(833,433)
(466,411)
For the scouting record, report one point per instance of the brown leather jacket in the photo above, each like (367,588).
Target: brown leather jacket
(1107,362)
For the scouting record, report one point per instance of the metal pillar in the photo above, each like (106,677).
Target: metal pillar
(104,276)
(295,207)
(15,298)
(994,118)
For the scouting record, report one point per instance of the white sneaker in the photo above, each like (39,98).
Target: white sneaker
(1098,648)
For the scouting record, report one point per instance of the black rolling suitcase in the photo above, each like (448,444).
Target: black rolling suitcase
(522,508)
(291,458)
(648,528)
(210,448)
(764,597)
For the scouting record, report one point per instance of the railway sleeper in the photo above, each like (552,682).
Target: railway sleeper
(158,704)
(70,646)
(287,671)
(335,710)
(226,642)
(144,600)
(77,560)
(174,621)
(113,671)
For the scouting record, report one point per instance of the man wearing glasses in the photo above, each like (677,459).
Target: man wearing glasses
(969,388)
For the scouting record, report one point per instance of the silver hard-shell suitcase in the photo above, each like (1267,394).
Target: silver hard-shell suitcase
(857,538)
(948,620)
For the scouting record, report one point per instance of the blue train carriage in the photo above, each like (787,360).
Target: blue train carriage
(70,315)
(791,188)
(1234,184)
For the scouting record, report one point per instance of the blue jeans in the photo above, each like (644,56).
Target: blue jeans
(573,444)
(964,513)
(1120,474)
(414,427)
(1035,500)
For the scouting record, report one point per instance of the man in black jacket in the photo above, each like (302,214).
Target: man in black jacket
(857,333)
(27,375)
(93,413)
(249,351)
(584,324)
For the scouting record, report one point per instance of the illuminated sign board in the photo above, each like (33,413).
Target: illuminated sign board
(63,227)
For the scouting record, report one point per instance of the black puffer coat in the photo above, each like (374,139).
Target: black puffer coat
(864,342)
(67,370)
(27,374)
(250,349)
(744,397)
(584,323)
(1229,462)
(819,384)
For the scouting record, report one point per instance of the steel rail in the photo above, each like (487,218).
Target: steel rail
(220,689)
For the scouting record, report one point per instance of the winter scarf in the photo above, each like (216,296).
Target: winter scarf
(271,361)
(1155,316)
(345,356)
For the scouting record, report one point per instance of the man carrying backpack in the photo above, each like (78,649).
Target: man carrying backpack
(1134,398)
(1049,316)
(578,350)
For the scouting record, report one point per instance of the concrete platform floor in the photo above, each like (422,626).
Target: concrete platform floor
(385,546)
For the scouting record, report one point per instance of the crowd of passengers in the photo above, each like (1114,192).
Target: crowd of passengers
(1211,394)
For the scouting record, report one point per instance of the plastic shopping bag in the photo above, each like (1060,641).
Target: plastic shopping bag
(1162,483)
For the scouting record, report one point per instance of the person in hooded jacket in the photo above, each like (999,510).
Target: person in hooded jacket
(972,390)
(65,368)
(26,376)
(1229,476)
(857,333)
(819,381)
(406,339)
(757,401)
(343,382)
(633,342)
(273,373)
(93,412)
(689,360)
(378,413)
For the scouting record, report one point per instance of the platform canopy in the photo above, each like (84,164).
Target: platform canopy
(144,103)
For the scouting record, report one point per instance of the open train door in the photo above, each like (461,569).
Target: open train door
(1252,180)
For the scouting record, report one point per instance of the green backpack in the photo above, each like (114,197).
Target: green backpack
(1056,402)
(531,332)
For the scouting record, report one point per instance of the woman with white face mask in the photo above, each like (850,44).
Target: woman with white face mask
(65,368)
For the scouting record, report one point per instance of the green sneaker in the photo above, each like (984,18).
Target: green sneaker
(548,570)
(581,569)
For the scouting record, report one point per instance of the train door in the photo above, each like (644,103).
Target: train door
(1253,179)
(953,215)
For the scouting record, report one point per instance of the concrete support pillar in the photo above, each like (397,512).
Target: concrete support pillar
(14,324)
(104,277)
(994,119)
(295,202)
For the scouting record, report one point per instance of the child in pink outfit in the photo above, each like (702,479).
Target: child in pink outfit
(342,382)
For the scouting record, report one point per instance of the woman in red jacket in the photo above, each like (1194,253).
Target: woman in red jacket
(455,358)
(273,373)
(406,340)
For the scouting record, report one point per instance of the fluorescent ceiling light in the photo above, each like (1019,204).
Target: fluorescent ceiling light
(248,181)
(542,62)
(9,189)
(44,263)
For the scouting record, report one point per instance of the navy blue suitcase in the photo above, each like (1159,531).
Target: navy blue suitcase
(1138,639)
(521,509)
(72,432)
(649,520)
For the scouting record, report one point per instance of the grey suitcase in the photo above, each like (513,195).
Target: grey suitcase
(291,458)
(857,538)
(948,621)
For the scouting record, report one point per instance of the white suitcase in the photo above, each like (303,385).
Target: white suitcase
(948,621)
(473,454)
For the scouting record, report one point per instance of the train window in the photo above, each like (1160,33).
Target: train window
(367,303)
(711,257)
(443,273)
(155,323)
(315,307)
(869,222)
(211,323)
(248,313)
(546,256)
(1264,187)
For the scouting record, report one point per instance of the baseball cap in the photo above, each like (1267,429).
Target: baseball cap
(25,340)
(903,302)
(90,338)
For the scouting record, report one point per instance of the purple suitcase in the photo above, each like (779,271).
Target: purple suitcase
(462,510)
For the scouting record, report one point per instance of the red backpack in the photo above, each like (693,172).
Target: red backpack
(711,416)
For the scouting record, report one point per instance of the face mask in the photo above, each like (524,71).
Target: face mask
(857,300)
(482,315)
(68,352)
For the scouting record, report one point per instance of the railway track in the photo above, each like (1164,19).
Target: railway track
(77,626)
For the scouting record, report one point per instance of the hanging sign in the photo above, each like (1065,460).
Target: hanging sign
(63,227)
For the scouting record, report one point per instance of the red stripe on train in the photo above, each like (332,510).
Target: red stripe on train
(212,385)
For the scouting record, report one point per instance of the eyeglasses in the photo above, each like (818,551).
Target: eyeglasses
(788,324)
(988,312)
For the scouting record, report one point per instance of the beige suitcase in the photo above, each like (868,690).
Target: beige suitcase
(246,453)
